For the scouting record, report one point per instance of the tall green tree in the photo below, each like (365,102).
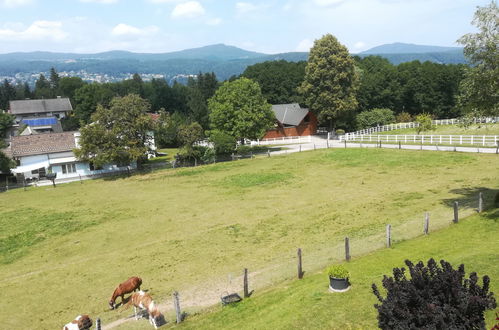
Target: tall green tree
(239,109)
(118,134)
(54,79)
(7,93)
(88,97)
(6,122)
(330,83)
(279,80)
(67,86)
(43,88)
(480,88)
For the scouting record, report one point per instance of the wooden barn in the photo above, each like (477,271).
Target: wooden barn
(292,120)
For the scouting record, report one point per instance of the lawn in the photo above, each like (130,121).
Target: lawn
(307,304)
(481,129)
(64,249)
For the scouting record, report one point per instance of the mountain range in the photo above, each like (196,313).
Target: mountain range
(224,60)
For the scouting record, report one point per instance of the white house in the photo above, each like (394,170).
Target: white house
(39,154)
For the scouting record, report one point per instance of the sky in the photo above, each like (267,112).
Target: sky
(268,26)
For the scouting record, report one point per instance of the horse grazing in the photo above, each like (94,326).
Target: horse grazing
(143,300)
(81,322)
(132,284)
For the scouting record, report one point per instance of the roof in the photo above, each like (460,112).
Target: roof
(42,144)
(40,106)
(289,114)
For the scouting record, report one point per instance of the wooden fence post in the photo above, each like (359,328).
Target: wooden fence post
(327,143)
(480,202)
(347,249)
(388,236)
(456,212)
(300,147)
(251,154)
(268,152)
(345,143)
(24,184)
(80,179)
(426,223)
(400,145)
(245,283)
(314,146)
(97,324)
(7,183)
(300,269)
(176,304)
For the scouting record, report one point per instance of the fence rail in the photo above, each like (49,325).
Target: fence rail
(287,139)
(437,122)
(480,140)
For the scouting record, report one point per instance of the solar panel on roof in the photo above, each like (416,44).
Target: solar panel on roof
(40,121)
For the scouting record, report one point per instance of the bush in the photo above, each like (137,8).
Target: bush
(433,298)
(340,131)
(425,122)
(338,271)
(223,143)
(374,117)
(403,117)
(244,150)
(208,156)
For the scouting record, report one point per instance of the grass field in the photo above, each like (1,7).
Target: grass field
(482,129)
(307,304)
(64,249)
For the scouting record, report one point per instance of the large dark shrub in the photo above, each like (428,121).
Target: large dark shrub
(433,298)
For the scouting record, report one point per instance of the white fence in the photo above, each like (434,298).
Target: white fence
(482,140)
(283,140)
(391,127)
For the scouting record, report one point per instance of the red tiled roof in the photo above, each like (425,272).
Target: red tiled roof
(42,144)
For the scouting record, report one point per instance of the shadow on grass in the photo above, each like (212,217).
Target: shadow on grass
(469,197)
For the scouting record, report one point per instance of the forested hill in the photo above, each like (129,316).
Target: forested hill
(225,61)
(398,53)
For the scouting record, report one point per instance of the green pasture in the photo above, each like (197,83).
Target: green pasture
(477,129)
(63,250)
(307,304)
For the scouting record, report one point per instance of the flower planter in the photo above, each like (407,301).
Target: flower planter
(338,284)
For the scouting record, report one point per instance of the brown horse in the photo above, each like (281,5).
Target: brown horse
(81,322)
(143,300)
(132,284)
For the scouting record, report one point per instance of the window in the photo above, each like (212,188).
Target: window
(68,168)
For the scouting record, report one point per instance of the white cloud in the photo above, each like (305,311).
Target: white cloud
(245,7)
(128,30)
(38,30)
(214,21)
(190,9)
(326,3)
(359,46)
(304,45)
(106,2)
(15,3)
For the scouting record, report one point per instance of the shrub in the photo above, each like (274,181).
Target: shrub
(243,149)
(403,117)
(433,298)
(425,122)
(375,117)
(208,156)
(340,131)
(222,142)
(338,271)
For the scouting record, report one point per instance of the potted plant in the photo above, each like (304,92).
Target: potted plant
(338,278)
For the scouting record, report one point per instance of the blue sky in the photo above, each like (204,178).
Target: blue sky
(269,26)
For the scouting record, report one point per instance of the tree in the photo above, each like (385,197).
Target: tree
(433,298)
(239,109)
(7,93)
(88,97)
(188,134)
(279,80)
(330,82)
(374,117)
(6,122)
(42,88)
(480,88)
(68,86)
(424,122)
(54,79)
(118,134)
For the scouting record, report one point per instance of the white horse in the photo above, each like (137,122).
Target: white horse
(81,322)
(143,301)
